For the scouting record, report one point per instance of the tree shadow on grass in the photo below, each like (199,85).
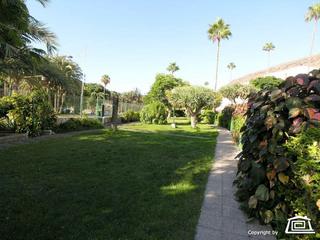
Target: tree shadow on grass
(107,185)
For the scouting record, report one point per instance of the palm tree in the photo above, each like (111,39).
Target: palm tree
(20,30)
(313,14)
(231,66)
(217,32)
(268,47)
(105,79)
(172,68)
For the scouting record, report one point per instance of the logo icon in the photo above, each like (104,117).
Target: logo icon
(299,225)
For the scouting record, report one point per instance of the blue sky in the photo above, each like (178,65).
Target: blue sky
(132,41)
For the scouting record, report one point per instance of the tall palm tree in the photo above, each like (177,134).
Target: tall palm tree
(268,47)
(105,79)
(217,32)
(313,14)
(231,66)
(172,68)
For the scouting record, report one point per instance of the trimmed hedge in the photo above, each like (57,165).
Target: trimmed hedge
(207,116)
(237,122)
(130,116)
(224,118)
(78,124)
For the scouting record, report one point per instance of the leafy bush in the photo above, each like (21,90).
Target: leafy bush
(207,116)
(154,113)
(6,104)
(28,114)
(237,122)
(303,179)
(224,118)
(264,169)
(77,124)
(265,83)
(130,116)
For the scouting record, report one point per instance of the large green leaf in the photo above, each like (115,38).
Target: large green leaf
(294,102)
(262,193)
(275,95)
(267,216)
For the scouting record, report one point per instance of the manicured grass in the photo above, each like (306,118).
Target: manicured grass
(106,185)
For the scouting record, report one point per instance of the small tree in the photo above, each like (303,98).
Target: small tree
(234,91)
(172,68)
(193,99)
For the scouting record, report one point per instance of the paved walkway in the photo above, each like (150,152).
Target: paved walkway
(221,218)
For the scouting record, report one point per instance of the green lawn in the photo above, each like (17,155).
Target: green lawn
(107,185)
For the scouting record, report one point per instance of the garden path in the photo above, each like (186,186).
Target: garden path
(220,216)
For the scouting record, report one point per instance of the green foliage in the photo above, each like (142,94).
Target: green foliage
(237,90)
(6,104)
(264,83)
(304,153)
(217,100)
(208,116)
(272,117)
(192,98)
(237,122)
(90,88)
(134,96)
(163,83)
(28,114)
(78,124)
(130,116)
(154,113)
(224,118)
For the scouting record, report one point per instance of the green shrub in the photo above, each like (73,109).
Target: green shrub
(302,191)
(265,83)
(265,170)
(28,114)
(6,104)
(224,118)
(207,116)
(78,124)
(154,113)
(130,116)
(237,122)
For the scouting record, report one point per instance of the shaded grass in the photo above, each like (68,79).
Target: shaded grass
(106,185)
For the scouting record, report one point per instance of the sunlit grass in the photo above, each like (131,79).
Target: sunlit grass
(107,185)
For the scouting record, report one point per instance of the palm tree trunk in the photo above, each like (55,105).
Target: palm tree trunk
(269,59)
(313,36)
(217,66)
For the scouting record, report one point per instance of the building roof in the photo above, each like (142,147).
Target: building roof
(284,70)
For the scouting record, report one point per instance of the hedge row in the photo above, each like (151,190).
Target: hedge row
(277,178)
